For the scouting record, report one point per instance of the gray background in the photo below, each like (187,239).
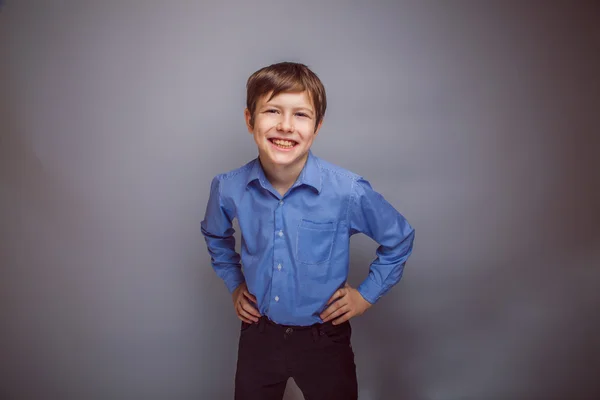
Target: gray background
(478,120)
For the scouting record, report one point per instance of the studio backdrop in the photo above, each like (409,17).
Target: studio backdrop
(478,121)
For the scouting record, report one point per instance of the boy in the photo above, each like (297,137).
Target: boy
(296,213)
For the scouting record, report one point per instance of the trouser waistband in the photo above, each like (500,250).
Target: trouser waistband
(316,328)
(265,320)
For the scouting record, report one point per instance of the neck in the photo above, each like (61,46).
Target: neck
(283,177)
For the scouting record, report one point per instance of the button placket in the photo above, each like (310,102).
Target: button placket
(279,256)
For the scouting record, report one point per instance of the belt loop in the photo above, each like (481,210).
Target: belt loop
(315,332)
(261,324)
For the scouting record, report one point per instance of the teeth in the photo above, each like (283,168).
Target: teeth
(283,143)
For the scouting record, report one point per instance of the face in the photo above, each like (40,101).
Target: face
(283,129)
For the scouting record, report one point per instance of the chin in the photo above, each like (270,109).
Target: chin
(284,159)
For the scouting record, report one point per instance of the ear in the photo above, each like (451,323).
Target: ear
(318,128)
(249,122)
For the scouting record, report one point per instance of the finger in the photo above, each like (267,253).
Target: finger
(328,311)
(337,313)
(332,308)
(250,296)
(245,314)
(249,300)
(337,295)
(249,308)
(345,317)
(248,311)
(246,320)
(238,312)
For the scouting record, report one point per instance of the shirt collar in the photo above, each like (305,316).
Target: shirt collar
(310,175)
(257,174)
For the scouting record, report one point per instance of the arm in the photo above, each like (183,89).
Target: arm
(218,232)
(372,215)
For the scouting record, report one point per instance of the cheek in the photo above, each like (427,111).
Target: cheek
(307,133)
(258,137)
(307,127)
(259,134)
(306,139)
(262,125)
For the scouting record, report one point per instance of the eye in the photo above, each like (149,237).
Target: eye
(303,115)
(271,111)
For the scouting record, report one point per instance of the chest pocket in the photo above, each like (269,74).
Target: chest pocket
(314,241)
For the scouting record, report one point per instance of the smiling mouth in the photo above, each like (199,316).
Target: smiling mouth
(284,144)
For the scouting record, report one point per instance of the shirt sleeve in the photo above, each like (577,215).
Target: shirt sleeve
(373,216)
(217,229)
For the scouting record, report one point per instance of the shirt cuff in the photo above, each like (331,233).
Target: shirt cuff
(234,280)
(370,290)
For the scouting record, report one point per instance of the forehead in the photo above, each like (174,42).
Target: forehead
(290,99)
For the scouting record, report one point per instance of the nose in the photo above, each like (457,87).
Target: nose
(286,124)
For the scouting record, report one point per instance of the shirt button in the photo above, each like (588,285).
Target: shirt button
(281,203)
(276,298)
(279,267)
(280,233)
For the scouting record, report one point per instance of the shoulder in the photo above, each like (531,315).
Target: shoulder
(336,172)
(344,181)
(234,177)
(238,173)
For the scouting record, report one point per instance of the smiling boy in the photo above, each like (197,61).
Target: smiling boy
(296,214)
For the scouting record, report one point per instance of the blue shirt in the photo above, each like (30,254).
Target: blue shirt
(295,248)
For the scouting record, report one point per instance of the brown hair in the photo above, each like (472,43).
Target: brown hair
(286,77)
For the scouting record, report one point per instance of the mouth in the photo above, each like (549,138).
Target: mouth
(283,143)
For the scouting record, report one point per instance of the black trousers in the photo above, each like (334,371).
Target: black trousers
(319,358)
